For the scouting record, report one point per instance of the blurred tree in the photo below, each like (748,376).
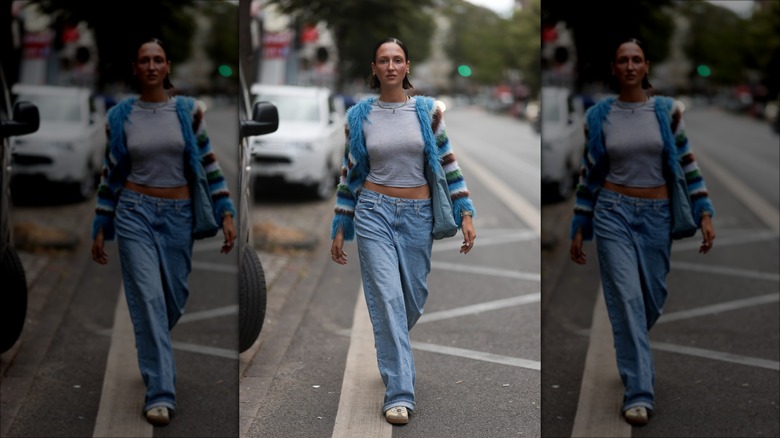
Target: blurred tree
(358,24)
(715,39)
(763,44)
(598,28)
(120,26)
(523,44)
(478,39)
(222,44)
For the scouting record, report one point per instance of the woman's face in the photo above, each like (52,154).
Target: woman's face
(151,65)
(390,64)
(630,66)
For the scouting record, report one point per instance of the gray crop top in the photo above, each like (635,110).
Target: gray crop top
(634,145)
(155,145)
(395,145)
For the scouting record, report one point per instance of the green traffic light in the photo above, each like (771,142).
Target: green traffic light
(703,70)
(464,70)
(225,70)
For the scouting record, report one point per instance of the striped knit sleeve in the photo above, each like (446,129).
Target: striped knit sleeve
(459,192)
(220,194)
(345,200)
(106,197)
(697,189)
(584,197)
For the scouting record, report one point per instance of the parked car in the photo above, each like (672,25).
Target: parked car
(20,119)
(69,146)
(260,119)
(307,148)
(563,140)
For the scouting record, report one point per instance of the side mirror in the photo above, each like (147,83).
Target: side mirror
(25,120)
(265,120)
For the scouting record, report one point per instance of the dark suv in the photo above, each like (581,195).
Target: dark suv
(261,119)
(21,119)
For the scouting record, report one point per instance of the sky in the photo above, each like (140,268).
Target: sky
(502,7)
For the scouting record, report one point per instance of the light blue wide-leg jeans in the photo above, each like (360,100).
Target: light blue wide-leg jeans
(394,247)
(154,236)
(634,244)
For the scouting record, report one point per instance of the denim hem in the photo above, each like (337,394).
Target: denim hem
(637,403)
(389,405)
(166,403)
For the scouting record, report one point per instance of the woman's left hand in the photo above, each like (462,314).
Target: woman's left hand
(707,234)
(229,231)
(468,235)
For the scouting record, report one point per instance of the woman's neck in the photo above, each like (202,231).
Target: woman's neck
(154,95)
(632,95)
(393,95)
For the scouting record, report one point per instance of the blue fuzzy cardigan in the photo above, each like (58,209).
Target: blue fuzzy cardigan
(355,168)
(198,155)
(595,162)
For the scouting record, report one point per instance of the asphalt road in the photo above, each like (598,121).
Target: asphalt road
(716,346)
(74,370)
(477,348)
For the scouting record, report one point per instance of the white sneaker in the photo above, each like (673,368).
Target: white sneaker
(158,416)
(636,416)
(397,415)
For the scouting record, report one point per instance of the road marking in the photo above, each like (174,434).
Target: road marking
(203,349)
(482,270)
(514,202)
(769,215)
(208,314)
(518,236)
(479,355)
(362,391)
(718,308)
(717,355)
(725,270)
(725,239)
(122,398)
(601,391)
(479,308)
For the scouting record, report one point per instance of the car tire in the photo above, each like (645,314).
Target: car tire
(14,299)
(251,298)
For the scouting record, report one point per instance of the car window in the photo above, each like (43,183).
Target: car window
(293,108)
(550,111)
(55,108)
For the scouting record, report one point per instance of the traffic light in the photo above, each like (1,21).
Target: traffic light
(225,70)
(464,70)
(703,70)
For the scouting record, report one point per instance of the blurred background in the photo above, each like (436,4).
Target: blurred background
(721,59)
(73,60)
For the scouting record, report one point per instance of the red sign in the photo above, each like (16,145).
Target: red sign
(276,45)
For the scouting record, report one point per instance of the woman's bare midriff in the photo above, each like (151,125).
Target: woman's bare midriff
(421,192)
(659,192)
(181,192)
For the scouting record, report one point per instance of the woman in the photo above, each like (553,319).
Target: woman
(384,200)
(623,198)
(156,144)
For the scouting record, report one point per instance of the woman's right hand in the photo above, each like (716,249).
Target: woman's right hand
(98,255)
(337,249)
(575,252)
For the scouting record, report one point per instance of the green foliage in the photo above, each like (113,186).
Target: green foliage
(715,38)
(763,44)
(478,38)
(523,44)
(119,27)
(358,24)
(222,44)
